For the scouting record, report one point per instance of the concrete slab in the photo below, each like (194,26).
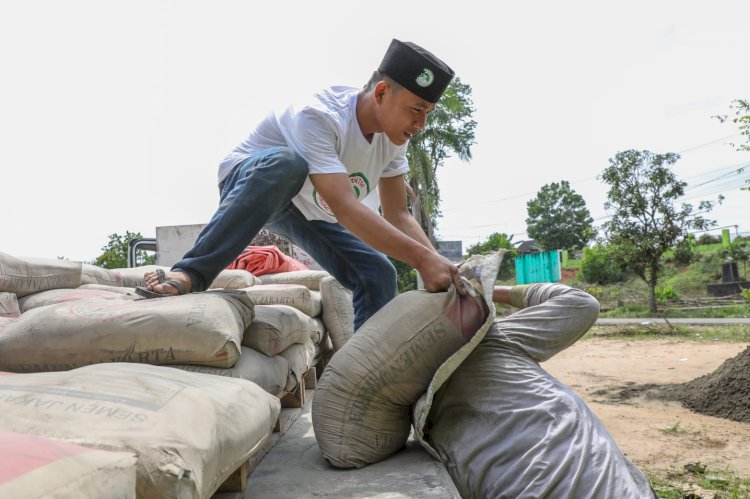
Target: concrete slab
(295,468)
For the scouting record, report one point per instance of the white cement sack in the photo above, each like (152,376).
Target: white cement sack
(189,431)
(234,279)
(360,412)
(270,373)
(9,305)
(24,276)
(39,468)
(300,358)
(338,311)
(91,274)
(198,328)
(112,289)
(294,295)
(504,427)
(277,327)
(55,296)
(308,278)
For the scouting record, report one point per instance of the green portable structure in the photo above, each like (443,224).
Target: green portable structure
(538,267)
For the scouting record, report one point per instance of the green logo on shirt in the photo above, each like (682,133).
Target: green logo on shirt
(361,187)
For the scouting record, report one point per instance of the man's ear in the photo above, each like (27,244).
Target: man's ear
(380,89)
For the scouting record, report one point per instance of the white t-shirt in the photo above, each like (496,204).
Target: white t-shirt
(326,133)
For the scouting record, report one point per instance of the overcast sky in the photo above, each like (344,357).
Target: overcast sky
(114,116)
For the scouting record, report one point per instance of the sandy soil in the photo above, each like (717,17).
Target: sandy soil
(608,375)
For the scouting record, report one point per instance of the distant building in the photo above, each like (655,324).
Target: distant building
(452,250)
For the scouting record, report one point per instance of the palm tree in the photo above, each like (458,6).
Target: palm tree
(449,129)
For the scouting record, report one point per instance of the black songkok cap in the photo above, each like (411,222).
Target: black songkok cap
(417,70)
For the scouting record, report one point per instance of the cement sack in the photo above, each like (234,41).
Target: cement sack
(91,274)
(360,412)
(308,278)
(35,468)
(132,277)
(504,427)
(300,358)
(234,279)
(112,289)
(294,295)
(277,327)
(24,276)
(269,373)
(319,333)
(227,279)
(55,296)
(9,306)
(338,311)
(198,328)
(189,431)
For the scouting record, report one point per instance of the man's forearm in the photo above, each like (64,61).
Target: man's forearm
(409,226)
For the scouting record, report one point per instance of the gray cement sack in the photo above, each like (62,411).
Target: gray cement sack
(338,311)
(112,289)
(91,274)
(300,358)
(55,296)
(308,278)
(360,412)
(189,431)
(197,328)
(132,277)
(227,279)
(504,427)
(24,276)
(9,305)
(39,468)
(321,332)
(277,327)
(270,373)
(294,295)
(234,279)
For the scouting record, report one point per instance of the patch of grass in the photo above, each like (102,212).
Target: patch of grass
(697,480)
(729,333)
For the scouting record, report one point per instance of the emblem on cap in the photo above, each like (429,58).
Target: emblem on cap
(425,78)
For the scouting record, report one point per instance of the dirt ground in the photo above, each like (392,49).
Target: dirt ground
(658,436)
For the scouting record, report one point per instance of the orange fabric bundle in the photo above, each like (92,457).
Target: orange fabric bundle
(260,260)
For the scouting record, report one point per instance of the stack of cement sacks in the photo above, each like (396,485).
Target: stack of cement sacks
(87,324)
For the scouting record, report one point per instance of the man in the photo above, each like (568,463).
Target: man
(304,173)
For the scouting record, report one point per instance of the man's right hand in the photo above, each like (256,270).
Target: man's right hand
(438,273)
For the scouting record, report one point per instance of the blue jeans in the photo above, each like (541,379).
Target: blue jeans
(258,193)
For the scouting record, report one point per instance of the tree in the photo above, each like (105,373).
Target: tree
(449,129)
(115,254)
(497,241)
(645,223)
(741,109)
(558,218)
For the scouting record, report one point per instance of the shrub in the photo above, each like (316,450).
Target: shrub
(684,251)
(600,266)
(665,293)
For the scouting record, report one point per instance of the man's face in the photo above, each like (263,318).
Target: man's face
(402,113)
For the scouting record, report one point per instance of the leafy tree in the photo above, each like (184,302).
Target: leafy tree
(741,110)
(558,218)
(449,129)
(115,254)
(497,241)
(645,223)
